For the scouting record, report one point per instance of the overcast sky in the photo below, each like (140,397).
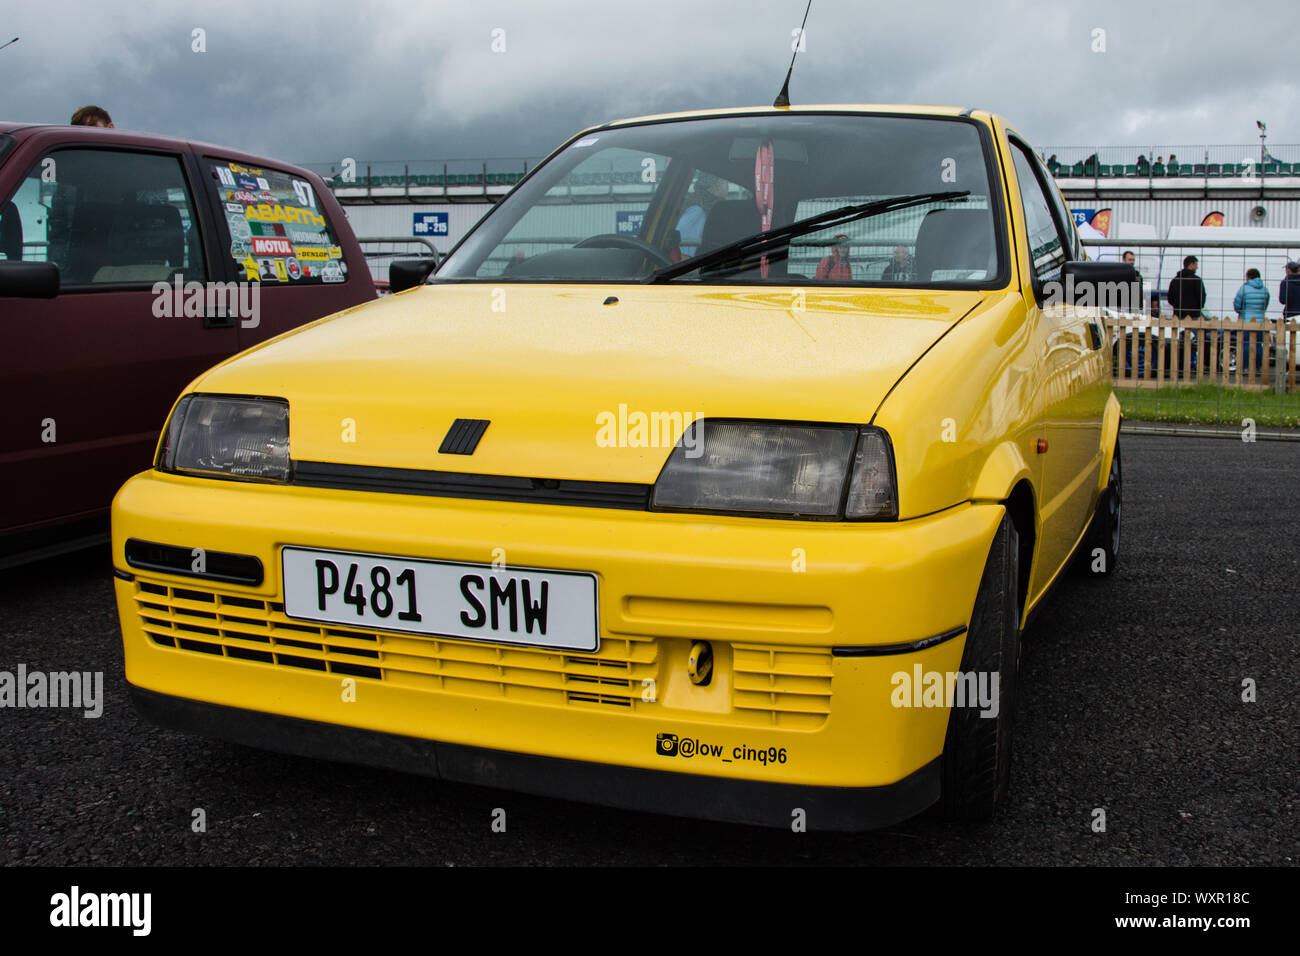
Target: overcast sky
(376,80)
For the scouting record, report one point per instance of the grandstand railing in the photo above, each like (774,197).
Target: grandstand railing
(1192,162)
(494,176)
(454,177)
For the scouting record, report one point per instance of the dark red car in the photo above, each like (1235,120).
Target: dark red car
(130,263)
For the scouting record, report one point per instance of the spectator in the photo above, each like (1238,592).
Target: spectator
(1158,167)
(1143,165)
(1187,291)
(1250,303)
(1130,258)
(1053,164)
(1173,165)
(1186,299)
(708,189)
(1090,165)
(1288,293)
(899,268)
(91,116)
(836,265)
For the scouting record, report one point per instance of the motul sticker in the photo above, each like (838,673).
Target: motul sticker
(271,246)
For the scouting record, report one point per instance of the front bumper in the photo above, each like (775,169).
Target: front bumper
(679,794)
(809,622)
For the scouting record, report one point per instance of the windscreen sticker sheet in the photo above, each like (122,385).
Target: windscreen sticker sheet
(277,231)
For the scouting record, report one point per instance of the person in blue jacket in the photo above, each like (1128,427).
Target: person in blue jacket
(1250,303)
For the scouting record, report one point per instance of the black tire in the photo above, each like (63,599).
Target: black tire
(1100,553)
(977,749)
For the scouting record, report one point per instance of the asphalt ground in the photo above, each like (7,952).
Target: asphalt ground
(1131,704)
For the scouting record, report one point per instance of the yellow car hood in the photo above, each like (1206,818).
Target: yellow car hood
(563,377)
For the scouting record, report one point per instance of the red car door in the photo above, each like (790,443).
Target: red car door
(87,377)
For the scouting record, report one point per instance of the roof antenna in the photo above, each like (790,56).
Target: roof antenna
(782,100)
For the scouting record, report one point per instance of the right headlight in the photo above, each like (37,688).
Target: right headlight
(228,437)
(780,469)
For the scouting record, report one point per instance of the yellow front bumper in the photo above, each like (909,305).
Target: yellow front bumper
(809,622)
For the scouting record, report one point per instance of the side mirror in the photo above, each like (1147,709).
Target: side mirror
(1108,285)
(28,280)
(406,274)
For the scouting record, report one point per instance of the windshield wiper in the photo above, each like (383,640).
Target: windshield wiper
(760,242)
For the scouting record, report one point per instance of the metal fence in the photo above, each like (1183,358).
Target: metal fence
(380,253)
(1221,265)
(1219,368)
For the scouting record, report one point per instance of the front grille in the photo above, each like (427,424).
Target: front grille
(773,686)
(786,687)
(258,631)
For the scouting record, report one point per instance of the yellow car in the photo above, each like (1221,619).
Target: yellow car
(714,473)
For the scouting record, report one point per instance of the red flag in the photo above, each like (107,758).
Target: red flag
(764,191)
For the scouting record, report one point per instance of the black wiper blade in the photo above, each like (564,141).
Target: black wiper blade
(760,242)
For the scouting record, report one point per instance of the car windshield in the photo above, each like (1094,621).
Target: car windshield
(628,204)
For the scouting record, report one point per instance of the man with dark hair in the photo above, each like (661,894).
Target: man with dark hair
(91,116)
(1187,291)
(1130,258)
(1187,298)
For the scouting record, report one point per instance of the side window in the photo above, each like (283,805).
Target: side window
(104,217)
(278,231)
(1048,250)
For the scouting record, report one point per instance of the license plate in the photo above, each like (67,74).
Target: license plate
(503,605)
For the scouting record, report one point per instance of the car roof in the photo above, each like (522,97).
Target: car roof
(126,137)
(910,110)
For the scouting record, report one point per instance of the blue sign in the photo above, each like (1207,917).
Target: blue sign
(627,222)
(1083,216)
(430,224)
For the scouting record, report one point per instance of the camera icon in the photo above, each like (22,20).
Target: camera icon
(666,745)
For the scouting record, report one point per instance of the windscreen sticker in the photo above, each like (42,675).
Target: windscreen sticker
(272,246)
(585,141)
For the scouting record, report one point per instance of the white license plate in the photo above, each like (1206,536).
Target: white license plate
(504,605)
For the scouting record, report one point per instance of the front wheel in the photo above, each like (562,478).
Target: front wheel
(977,749)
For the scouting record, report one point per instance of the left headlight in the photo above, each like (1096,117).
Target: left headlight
(229,437)
(780,469)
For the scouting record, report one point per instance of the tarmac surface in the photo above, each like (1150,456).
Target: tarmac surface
(1131,702)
